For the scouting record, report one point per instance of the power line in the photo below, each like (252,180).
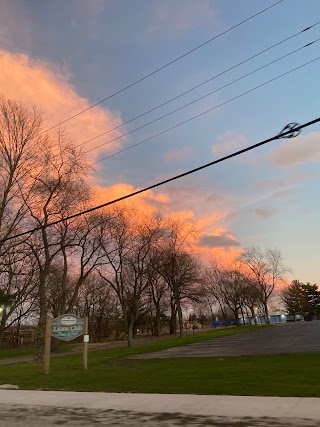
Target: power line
(165,66)
(198,85)
(288,131)
(207,111)
(200,98)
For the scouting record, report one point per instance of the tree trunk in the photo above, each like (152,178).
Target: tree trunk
(253,315)
(266,313)
(130,334)
(242,314)
(236,316)
(40,330)
(173,318)
(212,315)
(224,315)
(2,327)
(157,323)
(180,318)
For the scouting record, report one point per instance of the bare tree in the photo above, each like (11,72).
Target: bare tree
(213,279)
(126,246)
(88,253)
(20,139)
(18,282)
(100,303)
(181,272)
(233,288)
(158,291)
(57,186)
(266,269)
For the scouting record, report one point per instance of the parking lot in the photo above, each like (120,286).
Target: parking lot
(296,337)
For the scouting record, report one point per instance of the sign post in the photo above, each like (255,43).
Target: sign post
(66,328)
(85,344)
(47,346)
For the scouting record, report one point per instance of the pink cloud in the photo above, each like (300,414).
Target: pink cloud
(300,150)
(228,142)
(38,83)
(185,153)
(208,218)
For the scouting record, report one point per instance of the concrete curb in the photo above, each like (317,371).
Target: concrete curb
(228,406)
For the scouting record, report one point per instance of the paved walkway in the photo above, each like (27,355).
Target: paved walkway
(35,408)
(297,337)
(102,346)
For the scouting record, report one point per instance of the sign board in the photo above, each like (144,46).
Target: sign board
(67,327)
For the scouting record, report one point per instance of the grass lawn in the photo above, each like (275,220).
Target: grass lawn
(109,371)
(19,352)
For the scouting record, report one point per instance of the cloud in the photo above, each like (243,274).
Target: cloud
(148,201)
(223,240)
(269,184)
(281,194)
(180,16)
(265,211)
(38,83)
(300,150)
(185,153)
(283,187)
(214,240)
(228,142)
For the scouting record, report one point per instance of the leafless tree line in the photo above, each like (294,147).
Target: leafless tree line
(110,264)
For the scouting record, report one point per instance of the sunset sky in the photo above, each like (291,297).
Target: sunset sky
(63,56)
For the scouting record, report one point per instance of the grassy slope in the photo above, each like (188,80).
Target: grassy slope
(282,375)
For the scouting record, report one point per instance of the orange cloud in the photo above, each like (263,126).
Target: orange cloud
(38,83)
(185,153)
(212,239)
(147,202)
(225,256)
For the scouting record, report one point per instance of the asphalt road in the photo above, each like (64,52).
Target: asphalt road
(35,416)
(297,337)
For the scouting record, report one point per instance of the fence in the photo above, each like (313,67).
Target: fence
(18,337)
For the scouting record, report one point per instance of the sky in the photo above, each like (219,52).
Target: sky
(65,56)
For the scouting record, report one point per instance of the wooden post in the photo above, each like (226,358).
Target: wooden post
(85,344)
(47,346)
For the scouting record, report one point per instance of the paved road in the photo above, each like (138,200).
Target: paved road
(39,408)
(299,337)
(100,346)
(35,416)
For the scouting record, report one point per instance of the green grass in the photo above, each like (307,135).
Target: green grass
(109,371)
(19,352)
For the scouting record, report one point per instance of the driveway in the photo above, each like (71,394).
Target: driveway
(298,337)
